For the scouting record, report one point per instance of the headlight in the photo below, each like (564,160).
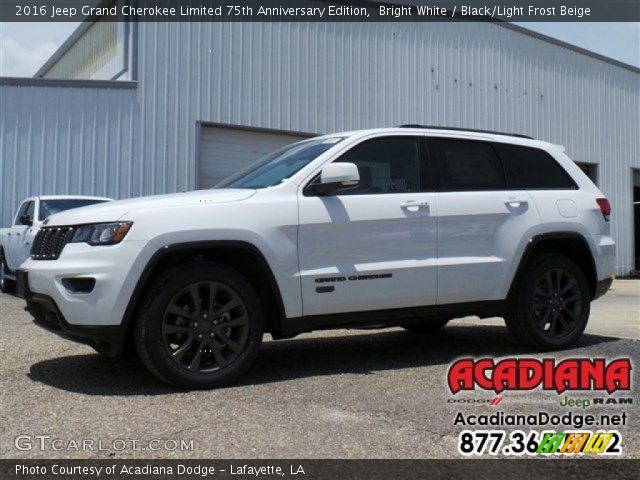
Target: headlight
(101,233)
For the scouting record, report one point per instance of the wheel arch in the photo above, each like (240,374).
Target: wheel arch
(239,255)
(572,245)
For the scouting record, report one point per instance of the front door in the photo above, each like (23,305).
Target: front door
(373,247)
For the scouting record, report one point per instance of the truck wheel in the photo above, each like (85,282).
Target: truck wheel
(427,325)
(550,307)
(6,285)
(199,326)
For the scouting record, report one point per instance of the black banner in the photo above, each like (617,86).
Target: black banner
(320,11)
(316,469)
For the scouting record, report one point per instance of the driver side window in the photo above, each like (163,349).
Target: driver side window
(26,208)
(386,165)
(31,209)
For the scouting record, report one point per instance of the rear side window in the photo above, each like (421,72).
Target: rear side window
(532,169)
(468,165)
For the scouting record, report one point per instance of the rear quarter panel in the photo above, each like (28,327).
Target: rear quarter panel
(577,211)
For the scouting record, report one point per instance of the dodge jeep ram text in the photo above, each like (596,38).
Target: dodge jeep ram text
(409,226)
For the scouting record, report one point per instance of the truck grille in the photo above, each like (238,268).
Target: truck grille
(50,241)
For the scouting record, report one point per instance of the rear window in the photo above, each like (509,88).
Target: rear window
(532,169)
(469,166)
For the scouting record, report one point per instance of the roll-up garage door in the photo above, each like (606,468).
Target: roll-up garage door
(225,150)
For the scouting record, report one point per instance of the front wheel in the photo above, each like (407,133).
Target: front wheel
(6,285)
(200,326)
(550,307)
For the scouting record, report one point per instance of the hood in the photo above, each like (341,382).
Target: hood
(113,211)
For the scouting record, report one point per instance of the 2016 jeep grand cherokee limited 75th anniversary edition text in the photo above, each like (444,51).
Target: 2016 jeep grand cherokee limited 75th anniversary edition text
(409,226)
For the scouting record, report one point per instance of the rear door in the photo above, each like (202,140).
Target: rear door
(373,247)
(480,221)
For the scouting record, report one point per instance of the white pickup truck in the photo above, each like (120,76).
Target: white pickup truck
(16,240)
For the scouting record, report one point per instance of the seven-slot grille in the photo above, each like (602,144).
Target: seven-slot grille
(50,241)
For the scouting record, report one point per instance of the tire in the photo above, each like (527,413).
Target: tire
(427,326)
(6,285)
(550,307)
(201,347)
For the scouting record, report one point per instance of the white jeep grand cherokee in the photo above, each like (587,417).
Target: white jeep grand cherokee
(409,226)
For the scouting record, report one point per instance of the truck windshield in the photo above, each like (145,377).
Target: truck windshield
(49,207)
(279,165)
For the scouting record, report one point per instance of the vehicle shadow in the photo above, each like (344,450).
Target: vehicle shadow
(284,360)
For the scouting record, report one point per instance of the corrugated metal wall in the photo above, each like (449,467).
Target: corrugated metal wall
(323,77)
(57,138)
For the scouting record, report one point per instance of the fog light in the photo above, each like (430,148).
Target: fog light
(79,285)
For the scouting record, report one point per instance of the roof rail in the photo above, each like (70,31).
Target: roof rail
(458,129)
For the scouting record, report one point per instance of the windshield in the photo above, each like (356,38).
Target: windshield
(49,207)
(279,165)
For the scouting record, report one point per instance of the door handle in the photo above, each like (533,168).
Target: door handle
(414,205)
(516,202)
(18,234)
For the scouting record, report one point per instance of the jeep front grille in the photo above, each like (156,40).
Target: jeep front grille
(50,241)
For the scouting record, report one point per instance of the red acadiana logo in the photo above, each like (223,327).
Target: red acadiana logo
(530,373)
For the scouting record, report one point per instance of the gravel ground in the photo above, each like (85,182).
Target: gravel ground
(344,394)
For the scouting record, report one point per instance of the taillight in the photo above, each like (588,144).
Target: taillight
(605,207)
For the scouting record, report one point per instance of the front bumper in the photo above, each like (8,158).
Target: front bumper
(108,340)
(114,271)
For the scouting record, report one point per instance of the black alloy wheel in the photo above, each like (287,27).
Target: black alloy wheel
(199,325)
(205,327)
(557,303)
(550,305)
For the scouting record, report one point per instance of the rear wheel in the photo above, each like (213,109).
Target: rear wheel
(200,327)
(6,285)
(551,305)
(427,326)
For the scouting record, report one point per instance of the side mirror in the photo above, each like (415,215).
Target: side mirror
(336,177)
(26,220)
